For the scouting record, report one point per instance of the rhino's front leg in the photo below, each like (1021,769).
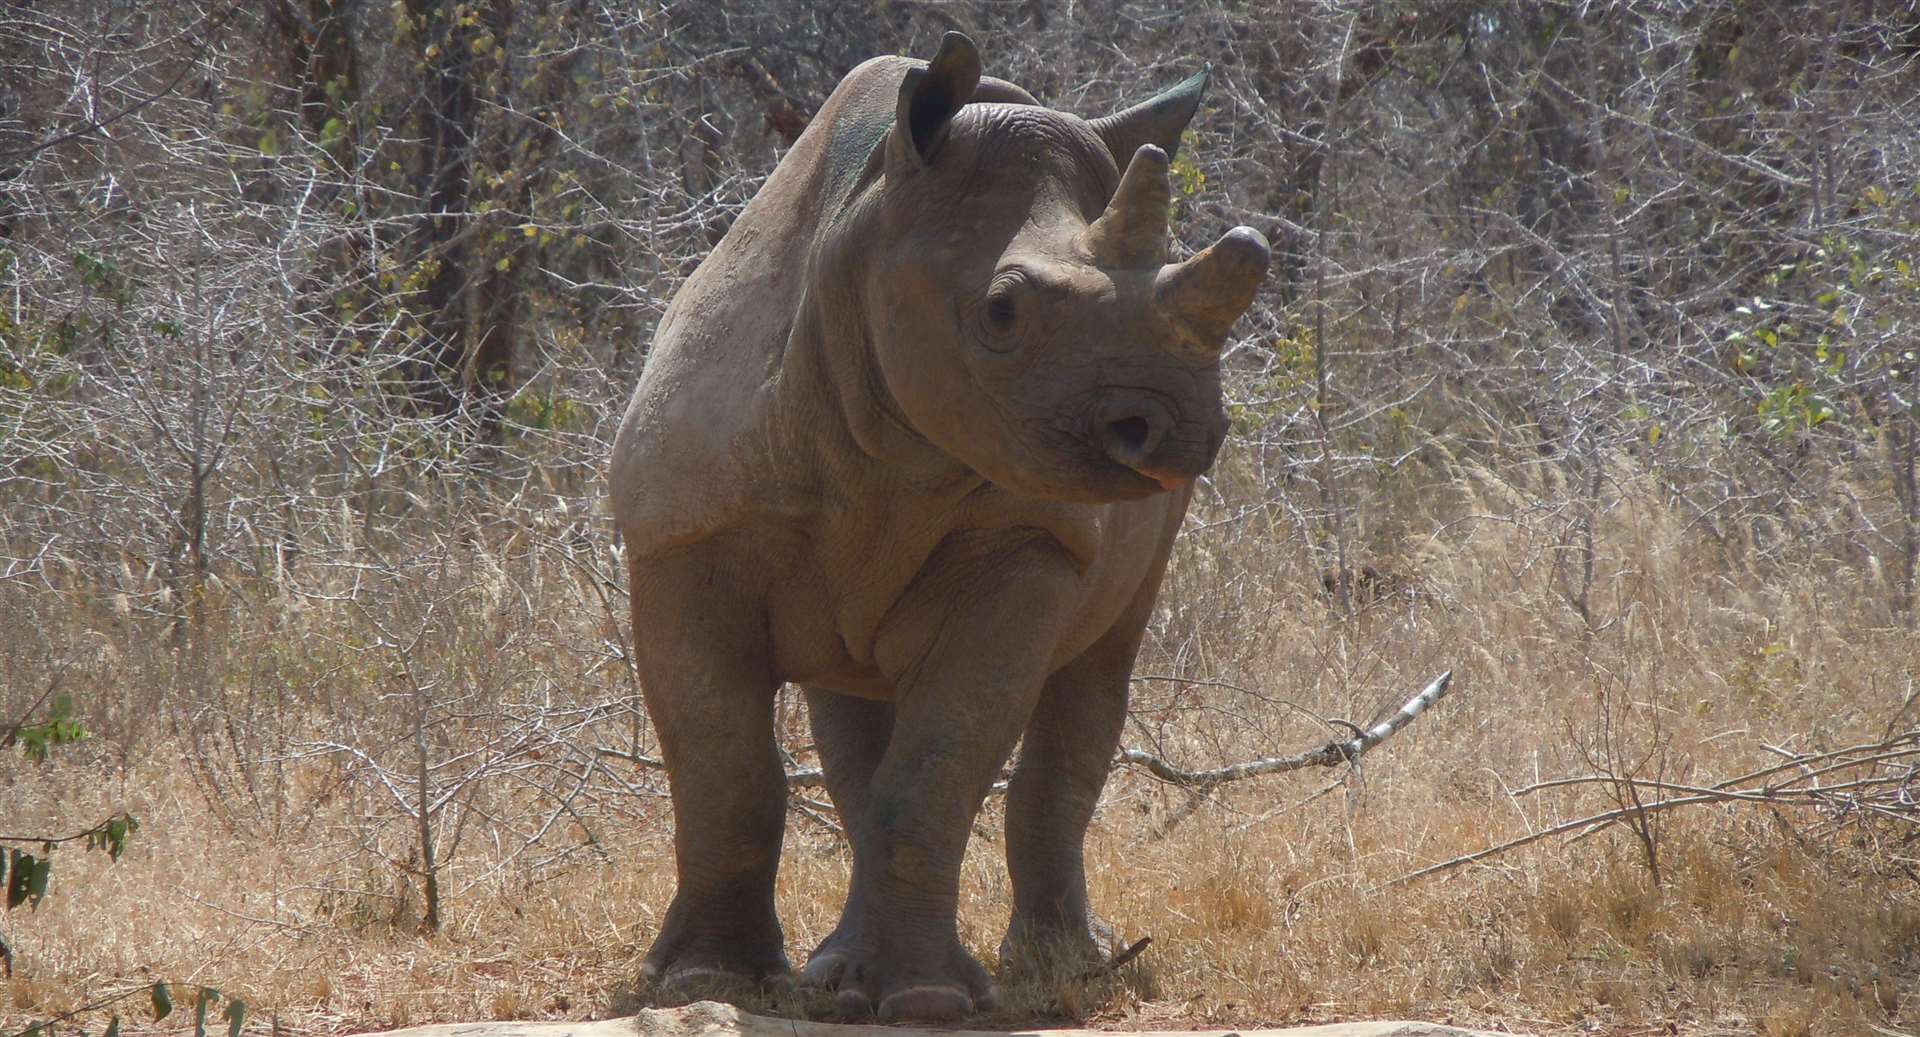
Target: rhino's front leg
(969,648)
(1064,760)
(700,641)
(1056,785)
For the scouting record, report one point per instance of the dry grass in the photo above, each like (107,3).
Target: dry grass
(278,870)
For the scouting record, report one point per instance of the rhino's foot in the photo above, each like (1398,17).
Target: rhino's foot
(930,1003)
(829,961)
(712,952)
(1059,947)
(684,984)
(933,987)
(712,980)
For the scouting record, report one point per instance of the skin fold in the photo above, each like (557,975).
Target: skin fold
(917,437)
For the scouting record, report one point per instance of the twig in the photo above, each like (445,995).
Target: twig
(1108,968)
(96,125)
(1770,793)
(1202,682)
(46,1025)
(13,731)
(818,812)
(1290,808)
(54,840)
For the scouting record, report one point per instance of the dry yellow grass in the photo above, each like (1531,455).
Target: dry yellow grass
(278,873)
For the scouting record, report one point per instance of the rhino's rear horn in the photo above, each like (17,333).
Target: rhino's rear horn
(1207,293)
(930,96)
(1133,230)
(1159,120)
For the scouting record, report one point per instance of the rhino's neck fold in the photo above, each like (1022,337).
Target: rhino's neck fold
(833,375)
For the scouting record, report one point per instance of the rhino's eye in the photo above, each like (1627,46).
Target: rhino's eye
(1002,308)
(1000,311)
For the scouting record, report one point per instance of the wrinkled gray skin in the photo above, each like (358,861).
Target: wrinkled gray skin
(917,436)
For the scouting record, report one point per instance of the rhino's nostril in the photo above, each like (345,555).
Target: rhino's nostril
(1129,435)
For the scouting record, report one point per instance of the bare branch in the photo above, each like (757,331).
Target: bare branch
(1329,755)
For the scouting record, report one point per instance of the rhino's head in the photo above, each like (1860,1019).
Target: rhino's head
(1021,307)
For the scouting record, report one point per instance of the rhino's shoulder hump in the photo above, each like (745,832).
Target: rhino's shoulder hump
(694,453)
(689,459)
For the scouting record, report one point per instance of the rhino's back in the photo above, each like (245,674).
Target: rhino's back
(691,454)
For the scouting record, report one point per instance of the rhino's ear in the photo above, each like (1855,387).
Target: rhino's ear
(930,96)
(1159,121)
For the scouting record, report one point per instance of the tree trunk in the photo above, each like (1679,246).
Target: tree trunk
(444,175)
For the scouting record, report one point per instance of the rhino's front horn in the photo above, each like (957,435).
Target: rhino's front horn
(1132,232)
(1207,293)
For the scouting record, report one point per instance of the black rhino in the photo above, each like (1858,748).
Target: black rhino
(917,436)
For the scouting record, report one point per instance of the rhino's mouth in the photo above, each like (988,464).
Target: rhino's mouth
(1120,443)
(1146,433)
(1151,483)
(1117,482)
(1168,481)
(1106,478)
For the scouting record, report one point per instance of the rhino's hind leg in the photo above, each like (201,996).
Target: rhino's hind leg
(709,689)
(851,735)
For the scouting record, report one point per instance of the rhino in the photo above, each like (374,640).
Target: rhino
(917,437)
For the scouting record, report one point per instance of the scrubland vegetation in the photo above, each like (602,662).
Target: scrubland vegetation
(1587,370)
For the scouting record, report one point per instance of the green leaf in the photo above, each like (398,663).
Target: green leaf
(162,1001)
(236,1017)
(113,834)
(17,886)
(207,997)
(113,1026)
(37,885)
(59,729)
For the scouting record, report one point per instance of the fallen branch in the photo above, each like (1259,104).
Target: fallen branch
(1888,793)
(798,778)
(1331,754)
(1606,817)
